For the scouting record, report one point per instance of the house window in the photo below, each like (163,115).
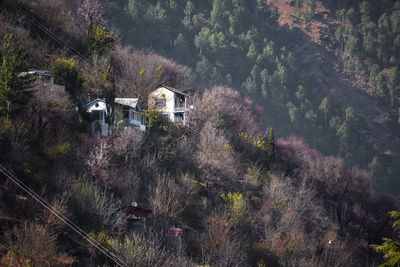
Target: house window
(125,113)
(178,118)
(160,102)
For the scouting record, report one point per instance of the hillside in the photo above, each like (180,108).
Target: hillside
(355,87)
(227,182)
(284,55)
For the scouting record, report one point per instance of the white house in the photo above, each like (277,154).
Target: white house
(98,113)
(170,102)
(128,112)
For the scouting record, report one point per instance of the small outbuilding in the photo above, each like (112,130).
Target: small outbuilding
(97,110)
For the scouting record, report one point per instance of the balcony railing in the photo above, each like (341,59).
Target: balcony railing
(139,117)
(179,109)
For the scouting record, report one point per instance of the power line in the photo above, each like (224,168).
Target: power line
(47,31)
(60,216)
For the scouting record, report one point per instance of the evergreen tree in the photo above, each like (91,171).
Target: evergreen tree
(271,143)
(391,248)
(325,107)
(187,20)
(265,80)
(365,9)
(292,111)
(393,83)
(384,40)
(13,97)
(250,84)
(67,74)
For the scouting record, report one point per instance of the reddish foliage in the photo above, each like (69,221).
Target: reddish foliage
(216,157)
(347,192)
(237,114)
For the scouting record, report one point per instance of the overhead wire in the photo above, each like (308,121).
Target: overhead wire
(23,186)
(30,192)
(47,31)
(61,217)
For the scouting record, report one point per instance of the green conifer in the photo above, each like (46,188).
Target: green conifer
(271,143)
(13,97)
(391,248)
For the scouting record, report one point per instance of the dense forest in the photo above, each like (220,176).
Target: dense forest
(265,175)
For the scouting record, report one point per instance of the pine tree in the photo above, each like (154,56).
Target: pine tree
(392,83)
(67,74)
(13,97)
(271,143)
(188,11)
(325,107)
(391,248)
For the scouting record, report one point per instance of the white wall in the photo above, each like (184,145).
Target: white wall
(170,101)
(102,106)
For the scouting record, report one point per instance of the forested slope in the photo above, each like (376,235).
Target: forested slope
(291,72)
(225,191)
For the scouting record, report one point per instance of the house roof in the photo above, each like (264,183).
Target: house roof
(131,102)
(94,101)
(36,72)
(172,89)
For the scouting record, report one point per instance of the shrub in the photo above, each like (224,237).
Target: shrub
(257,173)
(154,118)
(31,243)
(237,206)
(95,207)
(258,143)
(137,250)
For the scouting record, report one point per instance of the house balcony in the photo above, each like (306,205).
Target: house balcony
(136,120)
(179,109)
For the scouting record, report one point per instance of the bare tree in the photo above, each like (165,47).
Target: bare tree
(91,13)
(96,207)
(140,72)
(33,243)
(215,156)
(220,246)
(166,201)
